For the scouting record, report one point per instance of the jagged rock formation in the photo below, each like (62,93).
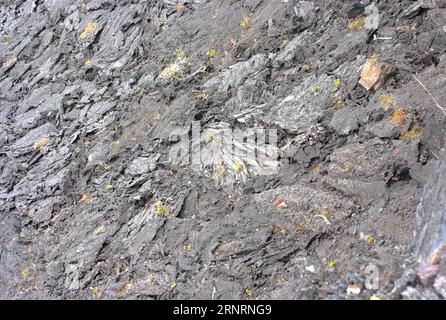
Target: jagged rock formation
(95,95)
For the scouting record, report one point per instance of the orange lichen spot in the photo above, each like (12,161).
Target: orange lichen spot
(347,169)
(399,116)
(317,168)
(8,39)
(86,198)
(41,144)
(280,203)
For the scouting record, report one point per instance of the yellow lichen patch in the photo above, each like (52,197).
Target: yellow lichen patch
(249,293)
(282,231)
(181,54)
(211,53)
(173,285)
(370,240)
(331,264)
(282,279)
(96,292)
(105,166)
(413,134)
(325,213)
(238,167)
(41,144)
(399,116)
(356,24)
(100,230)
(387,102)
(367,238)
(89,29)
(150,278)
(27,274)
(201,96)
(245,24)
(314,88)
(171,71)
(109,186)
(337,83)
(160,209)
(209,138)
(374,56)
(88,63)
(86,198)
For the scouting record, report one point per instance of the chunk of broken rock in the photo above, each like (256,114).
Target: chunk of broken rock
(142,165)
(375,74)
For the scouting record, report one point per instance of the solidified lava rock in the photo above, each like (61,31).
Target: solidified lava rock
(204,149)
